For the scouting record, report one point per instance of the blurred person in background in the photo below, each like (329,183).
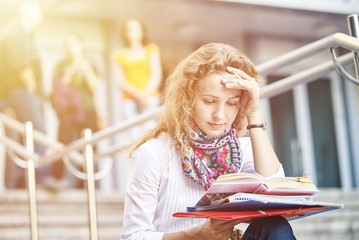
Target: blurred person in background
(21,78)
(74,82)
(140,73)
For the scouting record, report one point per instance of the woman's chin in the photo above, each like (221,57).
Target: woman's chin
(214,132)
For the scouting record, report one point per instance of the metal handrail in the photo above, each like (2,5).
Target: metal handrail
(91,189)
(305,76)
(103,134)
(31,184)
(61,149)
(341,69)
(39,137)
(331,41)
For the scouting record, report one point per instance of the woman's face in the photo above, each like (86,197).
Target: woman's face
(134,30)
(216,106)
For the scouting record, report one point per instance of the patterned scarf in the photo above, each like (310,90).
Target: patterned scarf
(223,151)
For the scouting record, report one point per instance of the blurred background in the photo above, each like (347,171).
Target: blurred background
(328,107)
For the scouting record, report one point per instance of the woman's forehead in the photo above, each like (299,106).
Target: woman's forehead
(215,78)
(212,84)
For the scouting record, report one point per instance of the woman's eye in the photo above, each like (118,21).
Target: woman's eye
(207,101)
(233,103)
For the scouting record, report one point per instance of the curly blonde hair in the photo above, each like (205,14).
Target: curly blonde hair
(176,118)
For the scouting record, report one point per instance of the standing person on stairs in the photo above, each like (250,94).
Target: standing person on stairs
(139,69)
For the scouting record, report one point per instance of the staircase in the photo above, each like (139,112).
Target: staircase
(340,224)
(61,215)
(64,216)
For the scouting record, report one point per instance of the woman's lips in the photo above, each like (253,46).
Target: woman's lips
(216,126)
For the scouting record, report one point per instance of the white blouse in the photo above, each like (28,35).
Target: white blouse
(157,188)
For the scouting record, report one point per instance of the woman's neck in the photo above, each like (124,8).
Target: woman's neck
(135,51)
(136,45)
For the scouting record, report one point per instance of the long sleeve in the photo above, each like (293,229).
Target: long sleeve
(142,196)
(156,189)
(248,161)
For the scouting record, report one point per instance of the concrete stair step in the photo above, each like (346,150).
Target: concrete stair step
(66,196)
(60,233)
(48,221)
(337,224)
(62,215)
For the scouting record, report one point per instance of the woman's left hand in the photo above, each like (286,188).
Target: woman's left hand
(249,102)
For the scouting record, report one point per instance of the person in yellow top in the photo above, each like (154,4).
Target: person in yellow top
(139,69)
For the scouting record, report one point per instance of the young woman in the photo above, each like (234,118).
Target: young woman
(211,98)
(139,69)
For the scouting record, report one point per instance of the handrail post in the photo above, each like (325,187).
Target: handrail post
(31,184)
(350,93)
(89,166)
(353,24)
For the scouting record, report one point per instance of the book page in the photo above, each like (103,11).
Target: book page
(264,189)
(239,177)
(290,183)
(234,187)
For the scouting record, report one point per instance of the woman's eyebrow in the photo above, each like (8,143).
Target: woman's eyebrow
(235,97)
(208,95)
(213,96)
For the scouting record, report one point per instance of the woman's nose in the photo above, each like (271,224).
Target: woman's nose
(218,113)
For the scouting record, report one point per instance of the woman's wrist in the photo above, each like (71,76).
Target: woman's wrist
(194,233)
(190,234)
(254,118)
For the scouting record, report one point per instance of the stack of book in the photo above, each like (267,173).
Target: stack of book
(245,196)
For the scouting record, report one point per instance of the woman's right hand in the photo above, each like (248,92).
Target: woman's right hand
(212,229)
(218,229)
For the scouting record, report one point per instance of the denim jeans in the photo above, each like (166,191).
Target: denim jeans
(269,228)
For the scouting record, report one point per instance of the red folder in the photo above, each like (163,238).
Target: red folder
(290,214)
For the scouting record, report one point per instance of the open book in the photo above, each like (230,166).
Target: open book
(229,184)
